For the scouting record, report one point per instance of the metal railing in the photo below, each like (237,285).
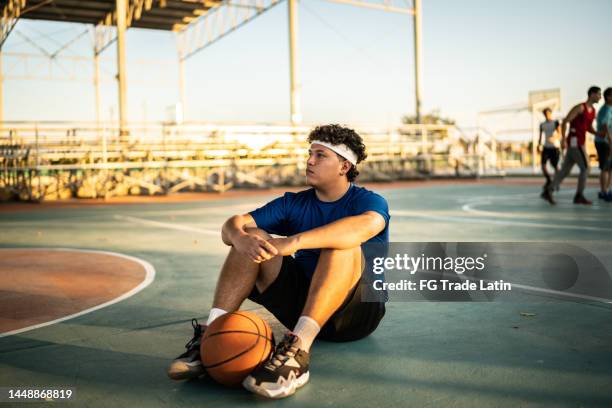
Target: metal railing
(51,160)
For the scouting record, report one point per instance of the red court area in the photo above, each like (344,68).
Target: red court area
(38,286)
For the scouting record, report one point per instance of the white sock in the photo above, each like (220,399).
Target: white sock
(214,313)
(306,329)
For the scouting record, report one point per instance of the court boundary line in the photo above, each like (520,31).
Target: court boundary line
(149,278)
(468,208)
(405,213)
(168,225)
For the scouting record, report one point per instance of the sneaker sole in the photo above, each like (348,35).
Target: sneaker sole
(276,391)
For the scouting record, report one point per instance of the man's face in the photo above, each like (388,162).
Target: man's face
(323,166)
(548,115)
(595,97)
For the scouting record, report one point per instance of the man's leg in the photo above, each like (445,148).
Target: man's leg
(238,277)
(568,163)
(581,160)
(543,160)
(603,182)
(336,274)
(555,163)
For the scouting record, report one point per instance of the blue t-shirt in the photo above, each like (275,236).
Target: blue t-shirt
(603,119)
(302,211)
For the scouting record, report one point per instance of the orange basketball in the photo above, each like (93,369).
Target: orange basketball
(234,345)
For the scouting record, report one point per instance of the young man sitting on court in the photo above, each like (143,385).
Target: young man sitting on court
(316,292)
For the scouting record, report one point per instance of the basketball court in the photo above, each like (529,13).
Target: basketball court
(99,297)
(133,129)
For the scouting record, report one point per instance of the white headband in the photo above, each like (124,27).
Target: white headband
(341,149)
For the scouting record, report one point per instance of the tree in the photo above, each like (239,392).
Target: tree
(432,118)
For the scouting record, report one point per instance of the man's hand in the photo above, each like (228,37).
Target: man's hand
(255,248)
(285,246)
(539,148)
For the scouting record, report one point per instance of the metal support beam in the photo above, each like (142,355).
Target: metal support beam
(10,14)
(1,91)
(417,59)
(385,5)
(97,85)
(218,22)
(121,9)
(105,36)
(390,6)
(181,75)
(296,114)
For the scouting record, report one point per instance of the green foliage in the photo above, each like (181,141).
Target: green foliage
(432,118)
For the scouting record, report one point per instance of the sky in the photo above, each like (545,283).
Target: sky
(356,65)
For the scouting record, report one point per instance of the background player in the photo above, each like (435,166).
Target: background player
(550,152)
(580,119)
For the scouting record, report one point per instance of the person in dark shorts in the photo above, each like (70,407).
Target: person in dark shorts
(310,277)
(550,151)
(603,140)
(580,119)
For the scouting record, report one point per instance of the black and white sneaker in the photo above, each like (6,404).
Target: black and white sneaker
(284,373)
(189,365)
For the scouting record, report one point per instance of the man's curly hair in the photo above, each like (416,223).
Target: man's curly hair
(336,134)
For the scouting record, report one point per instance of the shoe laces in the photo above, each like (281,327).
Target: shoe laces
(283,352)
(197,334)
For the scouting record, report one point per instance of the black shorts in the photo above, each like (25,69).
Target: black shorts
(552,154)
(286,296)
(603,151)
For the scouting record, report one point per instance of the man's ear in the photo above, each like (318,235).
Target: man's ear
(346,166)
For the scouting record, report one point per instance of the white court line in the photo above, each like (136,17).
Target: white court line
(515,196)
(149,277)
(548,291)
(203,210)
(498,222)
(557,292)
(216,233)
(468,208)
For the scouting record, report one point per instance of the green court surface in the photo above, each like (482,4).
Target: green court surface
(543,350)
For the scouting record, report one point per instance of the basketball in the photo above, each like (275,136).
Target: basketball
(234,345)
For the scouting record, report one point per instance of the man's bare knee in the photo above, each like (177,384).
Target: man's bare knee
(268,270)
(350,256)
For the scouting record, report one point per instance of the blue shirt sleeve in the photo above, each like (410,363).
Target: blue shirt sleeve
(272,216)
(373,202)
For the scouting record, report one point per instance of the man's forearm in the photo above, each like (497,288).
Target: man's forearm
(345,233)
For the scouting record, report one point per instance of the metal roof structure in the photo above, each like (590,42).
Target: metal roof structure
(196,23)
(154,14)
